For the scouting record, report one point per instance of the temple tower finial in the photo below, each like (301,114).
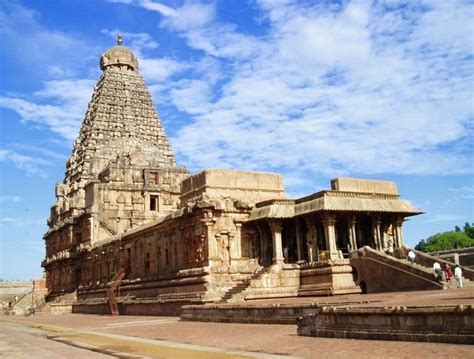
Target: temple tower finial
(119,39)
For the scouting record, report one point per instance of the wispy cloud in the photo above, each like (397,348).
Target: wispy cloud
(21,222)
(31,165)
(65,103)
(444,217)
(10,199)
(466,192)
(36,46)
(38,151)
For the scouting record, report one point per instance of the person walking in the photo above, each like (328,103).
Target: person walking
(448,273)
(458,276)
(411,257)
(437,271)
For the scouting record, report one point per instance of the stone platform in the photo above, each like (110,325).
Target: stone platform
(431,316)
(447,324)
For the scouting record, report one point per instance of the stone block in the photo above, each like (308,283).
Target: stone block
(364,185)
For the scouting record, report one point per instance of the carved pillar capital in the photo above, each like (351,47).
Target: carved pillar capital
(329,219)
(275,225)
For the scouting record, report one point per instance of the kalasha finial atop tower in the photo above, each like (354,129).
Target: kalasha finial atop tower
(119,56)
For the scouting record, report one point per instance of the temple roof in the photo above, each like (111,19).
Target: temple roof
(334,201)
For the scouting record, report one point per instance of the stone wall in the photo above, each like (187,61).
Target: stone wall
(248,186)
(12,290)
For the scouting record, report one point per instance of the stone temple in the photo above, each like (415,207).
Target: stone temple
(127,217)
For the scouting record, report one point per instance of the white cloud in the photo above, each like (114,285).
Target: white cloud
(444,217)
(192,15)
(335,90)
(64,116)
(31,165)
(159,69)
(158,7)
(194,20)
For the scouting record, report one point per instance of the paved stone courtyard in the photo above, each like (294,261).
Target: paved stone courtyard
(245,340)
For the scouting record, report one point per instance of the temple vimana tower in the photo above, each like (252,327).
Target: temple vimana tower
(126,215)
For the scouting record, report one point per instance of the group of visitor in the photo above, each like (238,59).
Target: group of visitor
(448,273)
(439,273)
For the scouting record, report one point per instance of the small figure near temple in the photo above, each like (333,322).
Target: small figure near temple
(437,271)
(411,257)
(390,249)
(285,255)
(448,273)
(458,276)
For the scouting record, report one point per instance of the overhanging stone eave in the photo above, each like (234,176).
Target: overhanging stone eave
(272,211)
(328,202)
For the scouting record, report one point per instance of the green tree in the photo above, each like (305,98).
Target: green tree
(445,241)
(469,229)
(421,246)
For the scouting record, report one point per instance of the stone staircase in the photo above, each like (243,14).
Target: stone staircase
(237,292)
(421,269)
(378,272)
(424,260)
(60,304)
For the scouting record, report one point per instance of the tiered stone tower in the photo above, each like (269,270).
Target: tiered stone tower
(122,172)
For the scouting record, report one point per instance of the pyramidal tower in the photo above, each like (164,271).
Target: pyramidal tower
(122,172)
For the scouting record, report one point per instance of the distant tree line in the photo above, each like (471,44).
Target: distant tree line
(459,238)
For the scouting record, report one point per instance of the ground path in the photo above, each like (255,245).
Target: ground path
(167,337)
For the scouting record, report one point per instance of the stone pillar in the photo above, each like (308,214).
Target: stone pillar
(351,226)
(212,250)
(376,232)
(329,221)
(398,231)
(237,247)
(299,244)
(276,227)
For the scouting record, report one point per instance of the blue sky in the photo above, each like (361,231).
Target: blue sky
(310,89)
